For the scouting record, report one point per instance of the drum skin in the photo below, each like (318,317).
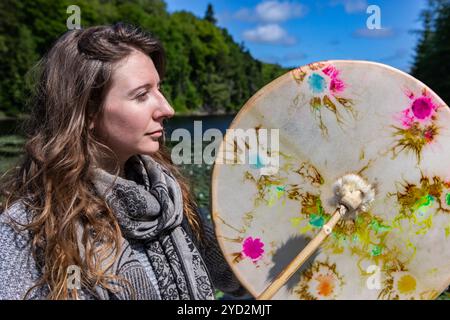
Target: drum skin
(334,118)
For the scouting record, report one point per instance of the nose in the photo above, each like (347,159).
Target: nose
(164,110)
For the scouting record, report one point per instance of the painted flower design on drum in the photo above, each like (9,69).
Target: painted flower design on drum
(418,124)
(317,83)
(253,248)
(406,284)
(417,200)
(421,108)
(326,86)
(403,285)
(320,282)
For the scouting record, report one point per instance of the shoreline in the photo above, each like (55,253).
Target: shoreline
(205,114)
(195,114)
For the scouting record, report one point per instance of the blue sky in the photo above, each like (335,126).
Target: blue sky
(294,33)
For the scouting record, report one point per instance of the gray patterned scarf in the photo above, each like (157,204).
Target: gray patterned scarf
(149,209)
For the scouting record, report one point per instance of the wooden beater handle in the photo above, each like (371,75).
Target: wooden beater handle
(300,259)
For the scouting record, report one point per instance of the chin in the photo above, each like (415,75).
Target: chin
(151,148)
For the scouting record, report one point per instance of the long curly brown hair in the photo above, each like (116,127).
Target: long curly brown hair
(54,177)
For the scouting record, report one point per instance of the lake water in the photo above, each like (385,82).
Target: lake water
(220,122)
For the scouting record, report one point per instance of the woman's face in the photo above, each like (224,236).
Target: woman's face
(134,108)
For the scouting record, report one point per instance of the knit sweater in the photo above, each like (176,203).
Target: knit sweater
(19,271)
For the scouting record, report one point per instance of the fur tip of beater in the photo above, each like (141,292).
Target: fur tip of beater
(354,192)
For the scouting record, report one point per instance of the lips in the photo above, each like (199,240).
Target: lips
(153,132)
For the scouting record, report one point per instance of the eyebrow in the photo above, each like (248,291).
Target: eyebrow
(145,85)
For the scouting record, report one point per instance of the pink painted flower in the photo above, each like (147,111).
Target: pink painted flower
(253,248)
(410,94)
(423,107)
(407,118)
(336,85)
(331,71)
(428,135)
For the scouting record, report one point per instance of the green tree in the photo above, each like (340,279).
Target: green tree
(207,71)
(209,14)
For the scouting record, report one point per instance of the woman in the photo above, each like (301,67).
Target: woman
(96,194)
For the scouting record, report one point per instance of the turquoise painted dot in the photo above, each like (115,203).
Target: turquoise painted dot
(256,161)
(317,83)
(316,221)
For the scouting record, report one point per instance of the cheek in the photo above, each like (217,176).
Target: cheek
(125,122)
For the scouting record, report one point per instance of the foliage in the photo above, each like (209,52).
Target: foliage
(207,72)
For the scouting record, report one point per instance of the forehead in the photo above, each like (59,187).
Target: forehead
(134,70)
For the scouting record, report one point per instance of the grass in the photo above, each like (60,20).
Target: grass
(10,151)
(445,295)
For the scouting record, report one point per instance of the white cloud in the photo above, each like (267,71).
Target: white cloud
(270,33)
(351,6)
(271,12)
(274,11)
(374,33)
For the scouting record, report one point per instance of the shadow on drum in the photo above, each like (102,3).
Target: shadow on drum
(285,254)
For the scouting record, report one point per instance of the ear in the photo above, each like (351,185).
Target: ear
(92,120)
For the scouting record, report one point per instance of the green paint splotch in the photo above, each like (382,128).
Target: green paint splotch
(423,204)
(276,192)
(376,251)
(316,220)
(378,226)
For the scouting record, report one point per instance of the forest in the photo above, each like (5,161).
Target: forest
(207,71)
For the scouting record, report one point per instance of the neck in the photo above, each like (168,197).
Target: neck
(108,166)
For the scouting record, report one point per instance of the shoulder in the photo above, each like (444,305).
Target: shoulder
(16,212)
(18,270)
(12,221)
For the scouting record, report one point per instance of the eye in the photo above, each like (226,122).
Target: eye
(141,97)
